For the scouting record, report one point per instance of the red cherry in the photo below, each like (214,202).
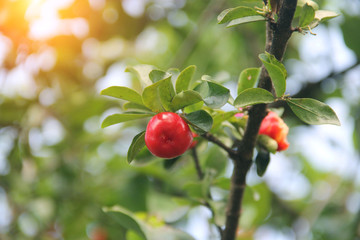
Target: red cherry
(273,126)
(167,135)
(99,234)
(194,142)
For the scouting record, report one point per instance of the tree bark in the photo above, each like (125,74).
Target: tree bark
(278,35)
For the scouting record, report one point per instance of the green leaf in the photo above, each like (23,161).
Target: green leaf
(248,78)
(351,33)
(253,96)
(184,79)
(135,107)
(276,71)
(200,120)
(238,13)
(142,73)
(223,183)
(123,93)
(194,107)
(137,144)
(243,20)
(184,99)
(323,15)
(159,95)
(213,94)
(313,111)
(214,159)
(123,117)
(307,15)
(200,189)
(221,117)
(157,75)
(144,226)
(125,219)
(258,198)
(262,161)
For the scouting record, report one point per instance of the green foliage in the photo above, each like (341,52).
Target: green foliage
(158,96)
(136,145)
(145,229)
(124,93)
(253,96)
(239,15)
(276,71)
(57,178)
(262,161)
(184,79)
(313,111)
(247,79)
(124,117)
(307,15)
(200,120)
(213,94)
(142,73)
(184,99)
(157,75)
(267,143)
(351,33)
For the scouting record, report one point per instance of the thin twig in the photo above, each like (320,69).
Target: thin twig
(308,89)
(213,139)
(197,164)
(201,175)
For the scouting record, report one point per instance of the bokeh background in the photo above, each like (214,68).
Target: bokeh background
(58,168)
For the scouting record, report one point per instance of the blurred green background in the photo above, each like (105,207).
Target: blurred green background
(58,168)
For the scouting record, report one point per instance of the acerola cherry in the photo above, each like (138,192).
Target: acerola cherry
(168,135)
(273,126)
(99,234)
(194,142)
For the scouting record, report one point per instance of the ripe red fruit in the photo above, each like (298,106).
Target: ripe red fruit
(99,234)
(273,126)
(194,142)
(167,135)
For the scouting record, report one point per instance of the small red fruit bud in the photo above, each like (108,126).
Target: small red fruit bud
(168,135)
(274,127)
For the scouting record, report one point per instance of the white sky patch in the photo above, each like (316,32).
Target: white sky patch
(283,176)
(45,21)
(18,82)
(6,214)
(134,8)
(115,76)
(151,40)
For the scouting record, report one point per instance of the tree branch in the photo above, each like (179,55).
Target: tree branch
(213,139)
(279,37)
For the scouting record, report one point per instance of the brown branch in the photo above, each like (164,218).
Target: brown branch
(197,164)
(213,139)
(279,37)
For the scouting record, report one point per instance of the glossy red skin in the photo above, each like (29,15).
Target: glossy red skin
(194,142)
(167,135)
(273,126)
